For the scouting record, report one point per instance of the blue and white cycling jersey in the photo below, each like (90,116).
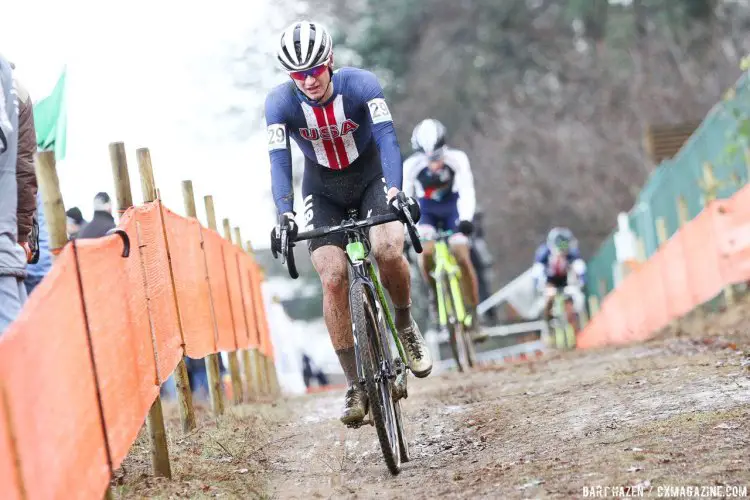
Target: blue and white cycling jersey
(331,135)
(437,191)
(556,266)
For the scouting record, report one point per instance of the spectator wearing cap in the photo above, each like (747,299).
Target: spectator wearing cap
(102,221)
(75,222)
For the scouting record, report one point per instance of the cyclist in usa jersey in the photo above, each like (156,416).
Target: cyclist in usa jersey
(342,124)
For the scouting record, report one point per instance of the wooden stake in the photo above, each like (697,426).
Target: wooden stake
(54,209)
(155,419)
(238,353)
(252,381)
(124,196)
(234,367)
(122,178)
(157,434)
(148,185)
(212,360)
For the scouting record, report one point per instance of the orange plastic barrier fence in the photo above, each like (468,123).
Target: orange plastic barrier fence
(83,362)
(707,254)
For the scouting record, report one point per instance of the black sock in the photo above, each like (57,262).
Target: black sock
(349,364)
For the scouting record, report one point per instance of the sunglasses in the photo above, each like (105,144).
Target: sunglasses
(314,72)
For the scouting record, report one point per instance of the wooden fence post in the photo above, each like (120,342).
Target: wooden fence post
(234,367)
(255,361)
(54,208)
(212,360)
(155,419)
(252,382)
(272,377)
(120,168)
(241,354)
(264,363)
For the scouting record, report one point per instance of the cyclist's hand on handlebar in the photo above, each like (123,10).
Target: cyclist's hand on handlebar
(400,203)
(286,221)
(466,227)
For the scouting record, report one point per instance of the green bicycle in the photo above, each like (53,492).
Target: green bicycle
(382,376)
(452,314)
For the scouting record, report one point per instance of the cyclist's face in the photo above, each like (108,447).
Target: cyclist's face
(314,87)
(436,165)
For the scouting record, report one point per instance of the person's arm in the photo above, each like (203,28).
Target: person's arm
(382,130)
(464,185)
(280,156)
(410,176)
(25,172)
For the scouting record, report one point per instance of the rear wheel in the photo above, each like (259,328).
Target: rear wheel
(376,365)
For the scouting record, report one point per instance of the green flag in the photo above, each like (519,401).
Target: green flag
(50,120)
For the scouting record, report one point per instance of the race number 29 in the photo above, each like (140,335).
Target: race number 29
(276,136)
(379,111)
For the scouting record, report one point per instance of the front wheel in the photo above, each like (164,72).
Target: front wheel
(461,342)
(376,369)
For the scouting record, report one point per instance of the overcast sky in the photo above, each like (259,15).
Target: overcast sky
(157,75)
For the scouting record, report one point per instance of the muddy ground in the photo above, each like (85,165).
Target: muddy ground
(670,412)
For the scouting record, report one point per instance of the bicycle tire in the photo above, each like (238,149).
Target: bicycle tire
(372,355)
(454,327)
(402,442)
(462,335)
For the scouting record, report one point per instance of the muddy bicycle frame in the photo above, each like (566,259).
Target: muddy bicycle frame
(381,376)
(446,265)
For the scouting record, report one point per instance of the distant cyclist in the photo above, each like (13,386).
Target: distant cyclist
(554,262)
(342,124)
(441,179)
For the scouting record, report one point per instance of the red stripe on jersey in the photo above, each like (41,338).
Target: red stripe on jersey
(320,116)
(338,141)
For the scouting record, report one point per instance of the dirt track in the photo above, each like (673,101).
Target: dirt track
(671,412)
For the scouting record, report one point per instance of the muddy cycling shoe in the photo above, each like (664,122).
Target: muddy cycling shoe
(355,405)
(417,353)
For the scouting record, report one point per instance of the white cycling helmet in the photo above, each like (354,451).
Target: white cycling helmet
(304,45)
(428,136)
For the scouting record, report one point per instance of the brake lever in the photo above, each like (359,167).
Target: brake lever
(273,248)
(284,246)
(413,234)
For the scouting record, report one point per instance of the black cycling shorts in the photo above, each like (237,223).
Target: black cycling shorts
(558,281)
(328,194)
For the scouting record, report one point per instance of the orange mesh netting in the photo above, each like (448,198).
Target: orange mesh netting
(121,335)
(708,253)
(161,297)
(8,471)
(191,285)
(260,311)
(213,245)
(248,300)
(231,262)
(48,378)
(83,362)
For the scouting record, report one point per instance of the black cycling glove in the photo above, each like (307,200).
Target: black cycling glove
(466,227)
(400,202)
(286,221)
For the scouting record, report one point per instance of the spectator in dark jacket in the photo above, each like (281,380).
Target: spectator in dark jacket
(13,256)
(75,222)
(102,221)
